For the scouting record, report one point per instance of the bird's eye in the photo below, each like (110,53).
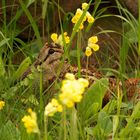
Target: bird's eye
(51,51)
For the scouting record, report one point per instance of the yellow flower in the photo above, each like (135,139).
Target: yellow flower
(95,47)
(66,99)
(84,82)
(78,14)
(88,51)
(90,19)
(81,26)
(52,108)
(72,90)
(2,104)
(66,37)
(84,5)
(74,19)
(70,76)
(92,45)
(30,122)
(54,37)
(59,39)
(93,39)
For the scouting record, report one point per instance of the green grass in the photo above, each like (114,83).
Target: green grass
(89,119)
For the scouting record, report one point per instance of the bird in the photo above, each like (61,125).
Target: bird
(53,65)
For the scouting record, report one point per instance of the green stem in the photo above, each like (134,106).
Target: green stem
(45,127)
(78,53)
(64,124)
(41,97)
(73,134)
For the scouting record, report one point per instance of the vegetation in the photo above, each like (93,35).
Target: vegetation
(76,110)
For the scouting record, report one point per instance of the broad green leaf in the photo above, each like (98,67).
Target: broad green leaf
(95,93)
(92,100)
(105,123)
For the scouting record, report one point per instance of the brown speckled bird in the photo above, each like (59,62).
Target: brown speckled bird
(51,60)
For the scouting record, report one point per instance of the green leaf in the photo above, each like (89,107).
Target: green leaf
(30,2)
(4,41)
(131,126)
(23,66)
(2,69)
(92,101)
(30,99)
(103,128)
(9,132)
(95,93)
(110,106)
(11,92)
(105,123)
(44,8)
(32,21)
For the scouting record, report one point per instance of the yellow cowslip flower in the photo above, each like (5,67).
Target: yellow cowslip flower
(95,47)
(93,39)
(54,37)
(52,108)
(89,17)
(84,82)
(72,90)
(70,76)
(78,14)
(67,39)
(30,122)
(81,26)
(69,100)
(92,45)
(2,104)
(59,39)
(74,19)
(84,5)
(88,51)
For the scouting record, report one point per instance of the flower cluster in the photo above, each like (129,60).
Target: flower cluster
(59,39)
(2,104)
(92,45)
(52,108)
(30,122)
(72,90)
(78,14)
